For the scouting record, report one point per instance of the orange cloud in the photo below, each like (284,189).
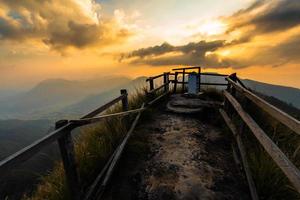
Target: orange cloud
(59,24)
(265,33)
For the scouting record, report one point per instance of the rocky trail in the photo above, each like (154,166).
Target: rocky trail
(184,157)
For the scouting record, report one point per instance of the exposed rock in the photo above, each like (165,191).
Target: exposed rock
(189,104)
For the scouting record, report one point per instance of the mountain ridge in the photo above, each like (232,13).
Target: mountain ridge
(68,96)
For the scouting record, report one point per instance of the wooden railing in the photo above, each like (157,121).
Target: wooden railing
(173,78)
(62,134)
(281,160)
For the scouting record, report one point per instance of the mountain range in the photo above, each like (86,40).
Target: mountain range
(27,116)
(52,95)
(289,95)
(286,94)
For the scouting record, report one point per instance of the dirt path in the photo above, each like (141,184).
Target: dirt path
(187,159)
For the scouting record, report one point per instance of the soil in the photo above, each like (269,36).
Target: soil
(184,157)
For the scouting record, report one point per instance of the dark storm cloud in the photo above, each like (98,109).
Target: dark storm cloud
(264,16)
(199,48)
(189,54)
(190,59)
(267,16)
(151,51)
(280,54)
(78,35)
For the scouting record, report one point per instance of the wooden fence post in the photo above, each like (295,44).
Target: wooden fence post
(242,150)
(199,74)
(166,81)
(66,147)
(124,100)
(233,90)
(183,79)
(175,81)
(151,84)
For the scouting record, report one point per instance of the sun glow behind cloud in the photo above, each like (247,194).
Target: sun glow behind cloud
(86,37)
(213,27)
(91,9)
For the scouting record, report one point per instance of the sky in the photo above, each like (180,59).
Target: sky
(85,39)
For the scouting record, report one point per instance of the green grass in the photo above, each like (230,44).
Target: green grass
(93,146)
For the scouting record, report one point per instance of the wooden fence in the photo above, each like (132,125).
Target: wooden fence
(288,168)
(62,134)
(234,85)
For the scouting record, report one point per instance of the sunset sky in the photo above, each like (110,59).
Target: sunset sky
(83,39)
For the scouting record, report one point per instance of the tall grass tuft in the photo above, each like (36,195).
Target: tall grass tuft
(93,146)
(270,181)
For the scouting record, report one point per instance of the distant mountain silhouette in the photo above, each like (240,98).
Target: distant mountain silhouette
(55,98)
(287,94)
(16,134)
(54,94)
(93,101)
(58,98)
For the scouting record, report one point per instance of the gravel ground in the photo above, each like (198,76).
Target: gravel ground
(187,158)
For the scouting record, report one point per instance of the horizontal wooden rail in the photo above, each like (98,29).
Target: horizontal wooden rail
(27,152)
(240,82)
(218,84)
(63,136)
(155,77)
(158,88)
(173,81)
(93,188)
(278,114)
(186,73)
(242,151)
(186,68)
(118,154)
(157,99)
(202,73)
(288,168)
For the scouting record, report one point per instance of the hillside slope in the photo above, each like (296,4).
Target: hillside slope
(53,95)
(287,94)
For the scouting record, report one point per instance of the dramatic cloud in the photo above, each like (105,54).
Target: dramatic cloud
(276,56)
(58,24)
(258,35)
(189,54)
(265,16)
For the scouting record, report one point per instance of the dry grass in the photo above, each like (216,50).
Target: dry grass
(93,146)
(270,181)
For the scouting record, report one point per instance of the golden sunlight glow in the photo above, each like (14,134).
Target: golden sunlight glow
(212,27)
(90,9)
(88,38)
(225,53)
